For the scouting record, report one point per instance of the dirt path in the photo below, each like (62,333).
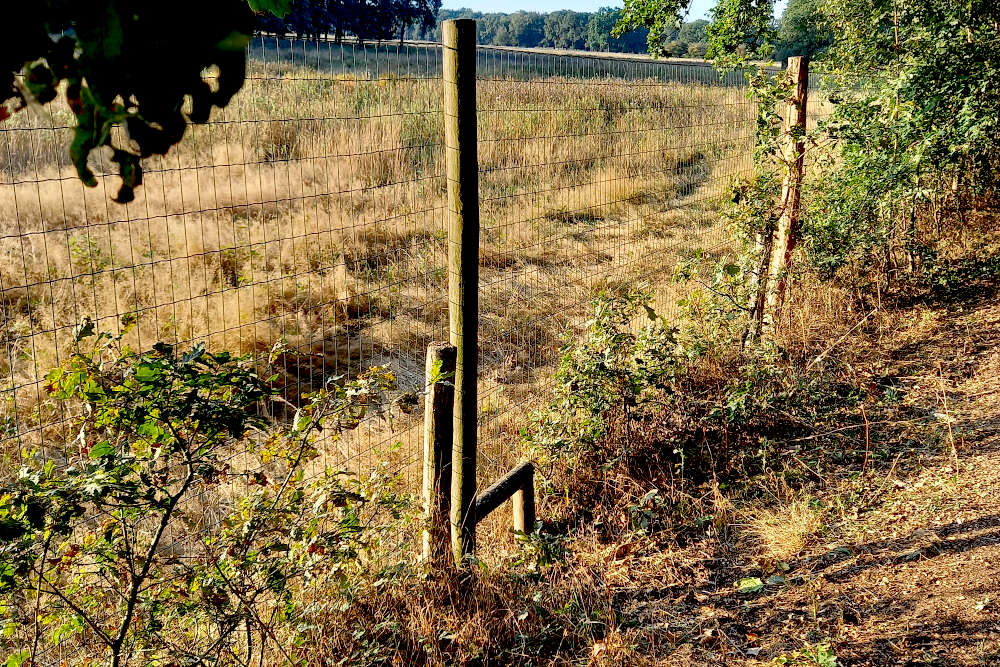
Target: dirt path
(907,570)
(915,578)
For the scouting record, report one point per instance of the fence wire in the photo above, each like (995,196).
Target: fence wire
(312,211)
(595,174)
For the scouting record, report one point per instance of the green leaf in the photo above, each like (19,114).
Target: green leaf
(276,7)
(102,449)
(16,659)
(147,372)
(749,586)
(68,629)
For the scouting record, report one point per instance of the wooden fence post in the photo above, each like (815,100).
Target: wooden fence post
(519,486)
(524,503)
(786,232)
(458,41)
(438,424)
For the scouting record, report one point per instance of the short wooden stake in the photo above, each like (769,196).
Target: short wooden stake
(458,41)
(786,232)
(518,485)
(524,503)
(438,424)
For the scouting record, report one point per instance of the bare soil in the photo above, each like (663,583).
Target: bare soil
(906,568)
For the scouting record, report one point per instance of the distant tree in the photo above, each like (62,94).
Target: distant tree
(406,13)
(688,41)
(802,31)
(449,14)
(633,41)
(696,50)
(693,32)
(365,19)
(599,27)
(492,28)
(308,18)
(674,48)
(565,29)
(527,29)
(599,37)
(562,29)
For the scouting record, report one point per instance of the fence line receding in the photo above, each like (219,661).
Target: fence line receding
(312,210)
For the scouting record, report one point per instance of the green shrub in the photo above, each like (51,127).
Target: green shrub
(610,372)
(114,552)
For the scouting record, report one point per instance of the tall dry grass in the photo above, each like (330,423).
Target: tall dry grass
(312,210)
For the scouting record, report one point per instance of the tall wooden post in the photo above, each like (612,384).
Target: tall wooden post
(458,40)
(786,232)
(438,424)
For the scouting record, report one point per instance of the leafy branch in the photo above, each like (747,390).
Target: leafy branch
(129,64)
(90,549)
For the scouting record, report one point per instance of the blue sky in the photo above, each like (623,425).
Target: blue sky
(699,8)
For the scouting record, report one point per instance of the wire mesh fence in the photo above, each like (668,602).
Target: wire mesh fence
(311,211)
(595,174)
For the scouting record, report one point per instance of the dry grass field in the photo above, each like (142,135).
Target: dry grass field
(312,211)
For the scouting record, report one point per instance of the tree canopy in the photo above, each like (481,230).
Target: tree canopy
(917,128)
(803,30)
(110,56)
(364,19)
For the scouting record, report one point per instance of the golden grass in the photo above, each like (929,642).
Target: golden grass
(312,210)
(781,533)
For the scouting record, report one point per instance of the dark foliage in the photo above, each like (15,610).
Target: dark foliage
(128,63)
(364,19)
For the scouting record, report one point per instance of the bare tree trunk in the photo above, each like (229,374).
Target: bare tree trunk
(786,232)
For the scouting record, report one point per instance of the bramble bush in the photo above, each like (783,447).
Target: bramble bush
(915,134)
(181,526)
(652,410)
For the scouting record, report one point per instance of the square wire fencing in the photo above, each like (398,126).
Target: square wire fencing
(596,173)
(312,211)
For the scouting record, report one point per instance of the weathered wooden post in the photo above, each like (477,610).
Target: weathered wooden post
(438,424)
(458,41)
(519,486)
(524,502)
(786,232)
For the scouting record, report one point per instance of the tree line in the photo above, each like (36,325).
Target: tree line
(563,29)
(372,20)
(798,32)
(366,20)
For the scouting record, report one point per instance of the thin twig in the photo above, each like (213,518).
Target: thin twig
(864,415)
(38,594)
(947,419)
(816,436)
(806,466)
(885,481)
(840,340)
